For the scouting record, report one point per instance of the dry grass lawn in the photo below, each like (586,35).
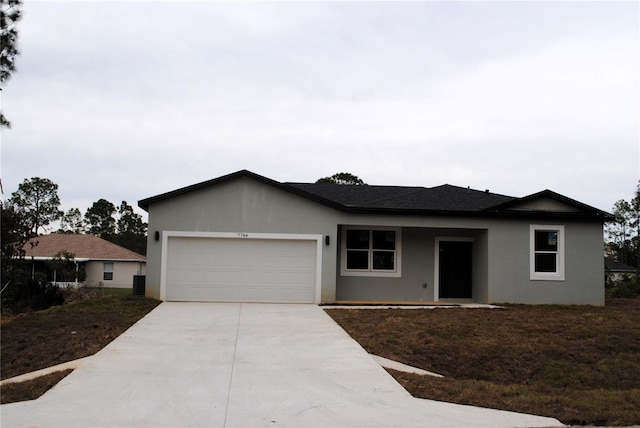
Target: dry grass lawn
(63,333)
(579,364)
(31,389)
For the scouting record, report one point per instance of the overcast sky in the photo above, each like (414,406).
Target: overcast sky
(126,100)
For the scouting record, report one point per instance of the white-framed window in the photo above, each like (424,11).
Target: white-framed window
(370,251)
(107,272)
(546,252)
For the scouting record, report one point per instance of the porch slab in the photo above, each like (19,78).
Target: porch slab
(408,305)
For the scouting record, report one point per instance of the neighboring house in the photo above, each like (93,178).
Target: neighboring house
(103,262)
(615,271)
(246,238)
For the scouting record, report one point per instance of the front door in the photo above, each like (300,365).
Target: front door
(455,270)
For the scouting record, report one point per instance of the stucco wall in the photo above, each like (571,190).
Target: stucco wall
(509,265)
(500,261)
(418,267)
(246,206)
(500,248)
(123,273)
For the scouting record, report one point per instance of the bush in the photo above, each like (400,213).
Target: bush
(32,294)
(628,287)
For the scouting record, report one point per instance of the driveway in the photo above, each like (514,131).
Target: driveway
(241,365)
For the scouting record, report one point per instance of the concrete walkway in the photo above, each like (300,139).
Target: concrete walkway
(240,365)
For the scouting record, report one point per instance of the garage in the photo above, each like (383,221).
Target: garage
(242,268)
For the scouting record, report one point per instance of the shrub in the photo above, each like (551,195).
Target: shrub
(628,287)
(32,294)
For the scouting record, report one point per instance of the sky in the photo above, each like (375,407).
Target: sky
(129,99)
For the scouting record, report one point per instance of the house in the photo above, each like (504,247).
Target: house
(615,270)
(99,261)
(246,238)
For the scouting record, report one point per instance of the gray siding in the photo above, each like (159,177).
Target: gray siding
(418,268)
(242,205)
(500,248)
(509,266)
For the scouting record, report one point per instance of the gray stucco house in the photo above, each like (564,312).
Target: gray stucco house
(246,238)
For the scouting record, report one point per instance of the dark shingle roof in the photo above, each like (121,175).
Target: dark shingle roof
(440,198)
(616,266)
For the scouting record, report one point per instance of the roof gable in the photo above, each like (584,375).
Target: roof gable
(543,204)
(145,203)
(81,246)
(439,200)
(548,201)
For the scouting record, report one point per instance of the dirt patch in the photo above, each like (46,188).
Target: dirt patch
(579,364)
(64,333)
(31,389)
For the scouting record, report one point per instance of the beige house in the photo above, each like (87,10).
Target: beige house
(102,262)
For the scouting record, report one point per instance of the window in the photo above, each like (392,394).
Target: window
(107,273)
(371,252)
(547,252)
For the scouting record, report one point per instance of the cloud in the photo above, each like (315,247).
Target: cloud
(129,99)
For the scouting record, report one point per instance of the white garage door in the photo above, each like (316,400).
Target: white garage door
(241,270)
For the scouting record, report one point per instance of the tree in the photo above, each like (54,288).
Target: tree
(64,267)
(72,222)
(619,230)
(38,199)
(120,225)
(623,234)
(15,233)
(10,14)
(19,291)
(635,225)
(132,231)
(342,178)
(100,220)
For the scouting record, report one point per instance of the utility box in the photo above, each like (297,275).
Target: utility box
(139,282)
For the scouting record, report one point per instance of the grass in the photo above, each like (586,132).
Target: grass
(579,364)
(91,292)
(31,389)
(64,333)
(107,291)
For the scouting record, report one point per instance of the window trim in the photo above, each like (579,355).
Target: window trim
(559,274)
(105,271)
(397,272)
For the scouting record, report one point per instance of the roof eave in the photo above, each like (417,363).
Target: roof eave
(84,259)
(591,217)
(145,203)
(587,213)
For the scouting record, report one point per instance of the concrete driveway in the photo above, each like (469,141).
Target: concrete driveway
(241,365)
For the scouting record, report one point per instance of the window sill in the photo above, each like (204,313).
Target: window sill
(371,274)
(554,277)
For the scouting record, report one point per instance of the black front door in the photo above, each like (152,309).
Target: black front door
(455,270)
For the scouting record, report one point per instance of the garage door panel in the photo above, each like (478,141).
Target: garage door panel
(233,292)
(241,270)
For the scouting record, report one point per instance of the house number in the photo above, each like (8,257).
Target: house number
(243,235)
